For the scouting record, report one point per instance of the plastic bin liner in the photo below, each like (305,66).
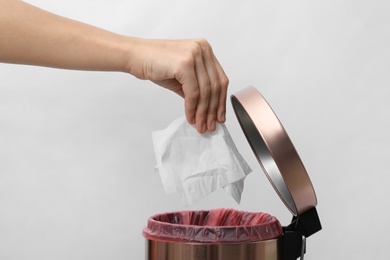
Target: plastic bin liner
(219,226)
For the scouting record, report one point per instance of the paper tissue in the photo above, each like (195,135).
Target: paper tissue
(194,165)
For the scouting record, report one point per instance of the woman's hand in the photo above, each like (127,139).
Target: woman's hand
(189,68)
(29,35)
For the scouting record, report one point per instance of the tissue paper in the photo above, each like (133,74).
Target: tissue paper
(194,165)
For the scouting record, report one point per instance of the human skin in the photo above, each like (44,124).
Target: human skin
(32,36)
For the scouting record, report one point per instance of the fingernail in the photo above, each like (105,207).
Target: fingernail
(204,127)
(222,117)
(212,125)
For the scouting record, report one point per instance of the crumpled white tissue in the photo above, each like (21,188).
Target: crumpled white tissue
(194,165)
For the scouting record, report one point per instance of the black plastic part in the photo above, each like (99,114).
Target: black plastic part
(308,223)
(291,245)
(301,226)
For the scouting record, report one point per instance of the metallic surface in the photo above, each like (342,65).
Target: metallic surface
(264,250)
(274,150)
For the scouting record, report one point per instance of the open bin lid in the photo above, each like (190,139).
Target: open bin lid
(274,151)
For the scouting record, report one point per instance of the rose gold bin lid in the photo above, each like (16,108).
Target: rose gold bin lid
(274,150)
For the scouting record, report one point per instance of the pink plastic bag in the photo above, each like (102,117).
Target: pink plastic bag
(219,226)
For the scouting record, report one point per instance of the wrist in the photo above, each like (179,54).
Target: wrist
(131,53)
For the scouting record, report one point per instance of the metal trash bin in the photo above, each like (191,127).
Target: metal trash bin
(228,234)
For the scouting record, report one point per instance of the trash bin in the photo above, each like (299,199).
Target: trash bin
(228,234)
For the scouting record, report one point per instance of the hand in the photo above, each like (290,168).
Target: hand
(189,68)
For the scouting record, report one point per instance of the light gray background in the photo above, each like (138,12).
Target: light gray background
(77,174)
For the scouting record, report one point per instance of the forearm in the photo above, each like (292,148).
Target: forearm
(29,35)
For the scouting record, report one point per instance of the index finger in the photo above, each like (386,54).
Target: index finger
(190,89)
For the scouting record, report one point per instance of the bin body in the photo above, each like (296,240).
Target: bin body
(263,250)
(219,234)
